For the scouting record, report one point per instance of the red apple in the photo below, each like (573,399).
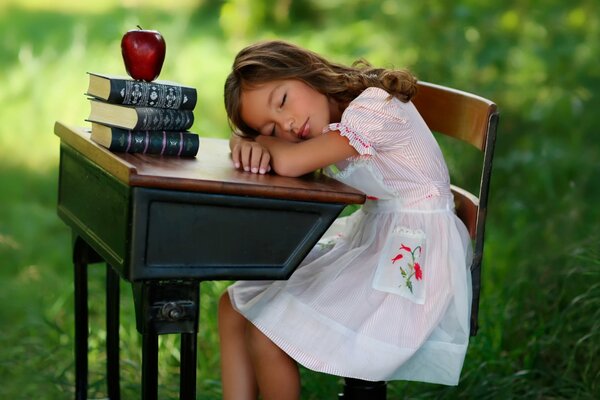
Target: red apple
(143,53)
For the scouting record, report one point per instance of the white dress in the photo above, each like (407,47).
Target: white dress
(386,293)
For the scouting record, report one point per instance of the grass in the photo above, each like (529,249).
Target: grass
(541,296)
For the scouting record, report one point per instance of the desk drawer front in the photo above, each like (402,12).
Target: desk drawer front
(210,236)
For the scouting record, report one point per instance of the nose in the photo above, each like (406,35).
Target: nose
(286,124)
(292,124)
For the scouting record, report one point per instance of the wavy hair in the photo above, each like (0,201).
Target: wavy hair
(278,60)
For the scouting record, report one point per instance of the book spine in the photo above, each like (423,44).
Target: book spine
(149,94)
(182,144)
(163,119)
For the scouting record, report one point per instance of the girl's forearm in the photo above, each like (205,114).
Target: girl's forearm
(296,159)
(284,159)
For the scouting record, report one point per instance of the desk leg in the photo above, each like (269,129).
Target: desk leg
(83,255)
(149,366)
(187,382)
(112,333)
(187,369)
(81,321)
(168,307)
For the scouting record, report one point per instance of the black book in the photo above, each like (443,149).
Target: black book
(166,143)
(140,118)
(122,90)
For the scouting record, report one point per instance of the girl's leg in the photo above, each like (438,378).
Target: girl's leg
(237,374)
(276,373)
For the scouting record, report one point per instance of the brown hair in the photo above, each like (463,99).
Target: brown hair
(278,60)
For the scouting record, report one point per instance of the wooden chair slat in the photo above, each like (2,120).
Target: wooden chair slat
(455,113)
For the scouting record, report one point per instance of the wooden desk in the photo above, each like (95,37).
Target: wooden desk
(165,224)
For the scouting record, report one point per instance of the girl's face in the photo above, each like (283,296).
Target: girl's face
(289,109)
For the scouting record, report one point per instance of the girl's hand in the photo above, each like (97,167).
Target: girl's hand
(249,155)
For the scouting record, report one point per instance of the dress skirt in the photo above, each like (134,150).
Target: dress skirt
(386,296)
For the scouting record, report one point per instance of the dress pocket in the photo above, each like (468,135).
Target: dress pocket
(400,269)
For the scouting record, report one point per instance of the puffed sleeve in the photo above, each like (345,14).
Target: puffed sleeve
(375,122)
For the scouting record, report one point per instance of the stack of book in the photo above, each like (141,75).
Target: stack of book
(142,117)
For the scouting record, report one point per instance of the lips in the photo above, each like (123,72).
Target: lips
(304,130)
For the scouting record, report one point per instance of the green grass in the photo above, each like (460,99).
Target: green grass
(539,334)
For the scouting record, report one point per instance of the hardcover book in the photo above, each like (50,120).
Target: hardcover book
(166,143)
(122,90)
(140,118)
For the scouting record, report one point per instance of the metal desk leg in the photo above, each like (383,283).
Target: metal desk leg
(112,333)
(166,307)
(81,322)
(187,369)
(82,256)
(149,366)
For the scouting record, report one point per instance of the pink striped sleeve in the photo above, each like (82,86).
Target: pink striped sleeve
(357,140)
(373,122)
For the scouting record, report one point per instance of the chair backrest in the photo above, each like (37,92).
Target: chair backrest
(474,120)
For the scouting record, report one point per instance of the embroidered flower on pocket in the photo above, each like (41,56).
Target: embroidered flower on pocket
(400,268)
(409,268)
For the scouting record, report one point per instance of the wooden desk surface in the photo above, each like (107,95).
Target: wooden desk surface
(211,171)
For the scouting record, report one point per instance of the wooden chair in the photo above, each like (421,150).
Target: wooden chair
(470,119)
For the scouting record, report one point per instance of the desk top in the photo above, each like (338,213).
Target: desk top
(211,171)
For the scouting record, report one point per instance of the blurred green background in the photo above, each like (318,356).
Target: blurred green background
(538,60)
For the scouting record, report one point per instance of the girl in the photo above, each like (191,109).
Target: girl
(389,296)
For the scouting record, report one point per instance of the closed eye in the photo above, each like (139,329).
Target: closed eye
(283,99)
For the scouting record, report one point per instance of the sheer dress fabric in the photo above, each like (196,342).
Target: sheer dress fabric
(386,293)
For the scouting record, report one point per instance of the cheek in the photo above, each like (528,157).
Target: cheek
(325,107)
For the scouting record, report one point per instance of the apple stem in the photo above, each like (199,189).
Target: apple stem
(139,27)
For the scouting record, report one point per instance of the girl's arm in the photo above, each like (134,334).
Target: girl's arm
(296,159)
(249,155)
